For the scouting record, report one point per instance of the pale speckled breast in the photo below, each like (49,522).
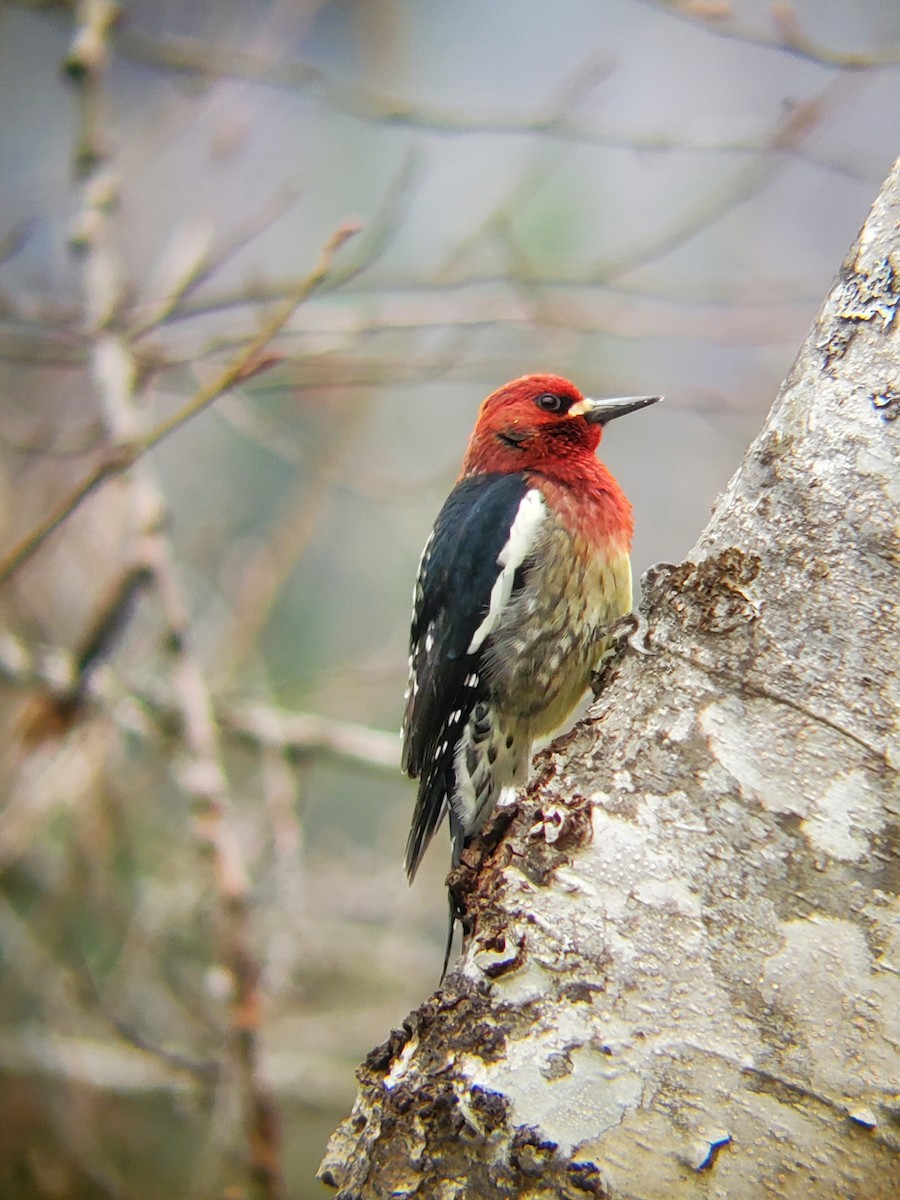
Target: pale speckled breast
(547,640)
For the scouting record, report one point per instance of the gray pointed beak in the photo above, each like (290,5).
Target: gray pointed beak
(598,412)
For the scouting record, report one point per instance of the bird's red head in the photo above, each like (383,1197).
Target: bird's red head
(541,423)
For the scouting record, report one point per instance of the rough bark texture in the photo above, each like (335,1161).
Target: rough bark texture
(679,979)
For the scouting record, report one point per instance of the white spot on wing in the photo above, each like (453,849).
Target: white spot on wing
(418,592)
(531,515)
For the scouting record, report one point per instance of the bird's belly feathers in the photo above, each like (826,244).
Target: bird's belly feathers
(549,638)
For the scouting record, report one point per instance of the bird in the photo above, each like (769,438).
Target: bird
(524,571)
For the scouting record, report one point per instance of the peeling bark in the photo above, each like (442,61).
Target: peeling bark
(678,979)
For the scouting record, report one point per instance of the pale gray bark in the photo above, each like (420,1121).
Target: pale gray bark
(680,980)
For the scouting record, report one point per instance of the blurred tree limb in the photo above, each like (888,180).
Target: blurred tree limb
(678,972)
(65,690)
(195,58)
(250,361)
(786,35)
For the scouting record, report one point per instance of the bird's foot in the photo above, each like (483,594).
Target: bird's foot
(631,631)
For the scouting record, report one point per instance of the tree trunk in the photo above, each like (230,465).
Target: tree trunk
(678,981)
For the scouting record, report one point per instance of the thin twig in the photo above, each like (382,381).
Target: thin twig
(154,314)
(249,362)
(120,458)
(193,57)
(717,203)
(788,38)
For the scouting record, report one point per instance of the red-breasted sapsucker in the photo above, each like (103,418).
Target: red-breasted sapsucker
(525,569)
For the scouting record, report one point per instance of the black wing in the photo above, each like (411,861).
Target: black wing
(457,573)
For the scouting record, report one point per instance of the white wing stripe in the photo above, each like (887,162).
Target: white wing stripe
(530,517)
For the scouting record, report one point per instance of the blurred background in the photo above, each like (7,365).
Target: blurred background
(204,924)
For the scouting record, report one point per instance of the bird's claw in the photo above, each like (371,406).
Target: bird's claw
(632,630)
(638,638)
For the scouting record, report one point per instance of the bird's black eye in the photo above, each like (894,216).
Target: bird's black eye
(550,403)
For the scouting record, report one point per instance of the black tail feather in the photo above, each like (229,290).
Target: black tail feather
(454,917)
(458,842)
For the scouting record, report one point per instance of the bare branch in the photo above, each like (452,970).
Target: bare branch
(122,457)
(246,362)
(788,38)
(151,316)
(304,733)
(218,62)
(296,734)
(716,203)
